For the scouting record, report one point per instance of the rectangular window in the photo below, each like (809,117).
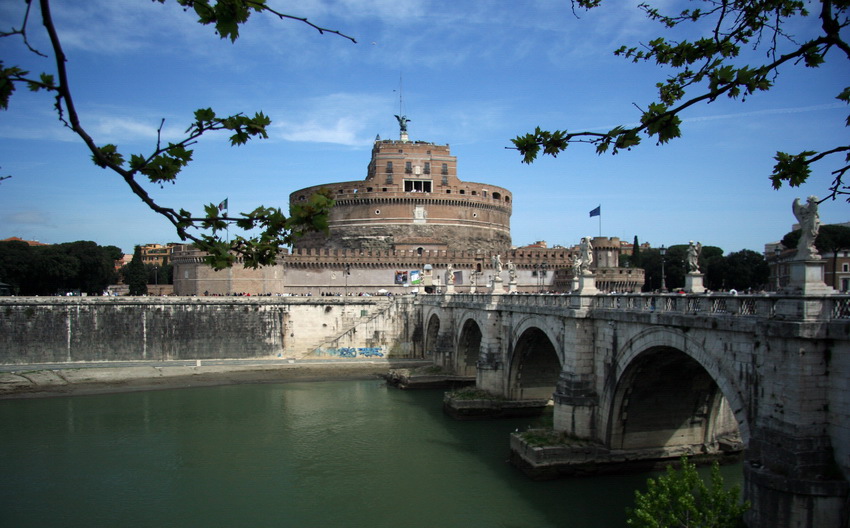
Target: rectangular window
(417,186)
(389,167)
(445,168)
(427,167)
(408,167)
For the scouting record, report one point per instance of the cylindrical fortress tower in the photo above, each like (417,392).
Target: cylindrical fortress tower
(412,199)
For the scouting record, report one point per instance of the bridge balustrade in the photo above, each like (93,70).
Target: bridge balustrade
(835,306)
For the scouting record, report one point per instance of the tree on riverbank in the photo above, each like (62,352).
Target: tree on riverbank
(135,275)
(682,499)
(82,266)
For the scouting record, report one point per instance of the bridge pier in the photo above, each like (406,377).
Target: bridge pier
(576,406)
(490,376)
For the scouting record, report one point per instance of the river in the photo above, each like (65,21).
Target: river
(317,454)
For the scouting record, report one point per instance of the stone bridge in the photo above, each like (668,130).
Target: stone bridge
(674,374)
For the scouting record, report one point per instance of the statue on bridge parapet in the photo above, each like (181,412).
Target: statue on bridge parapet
(496,260)
(807,269)
(586,256)
(693,280)
(694,251)
(809,220)
(511,277)
(587,281)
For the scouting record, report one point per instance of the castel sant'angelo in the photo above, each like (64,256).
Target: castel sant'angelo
(410,226)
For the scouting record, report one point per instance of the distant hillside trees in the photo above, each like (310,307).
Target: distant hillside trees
(79,267)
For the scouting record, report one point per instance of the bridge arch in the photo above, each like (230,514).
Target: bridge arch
(669,392)
(535,365)
(468,348)
(432,333)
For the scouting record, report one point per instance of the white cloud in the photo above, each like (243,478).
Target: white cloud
(340,118)
(28,218)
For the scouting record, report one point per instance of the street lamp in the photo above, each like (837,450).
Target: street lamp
(543,276)
(663,251)
(540,271)
(777,251)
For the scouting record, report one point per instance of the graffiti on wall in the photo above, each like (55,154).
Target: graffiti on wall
(351,352)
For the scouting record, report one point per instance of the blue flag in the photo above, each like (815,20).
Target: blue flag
(597,211)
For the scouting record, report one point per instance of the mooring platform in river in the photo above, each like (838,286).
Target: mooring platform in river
(475,404)
(428,377)
(540,458)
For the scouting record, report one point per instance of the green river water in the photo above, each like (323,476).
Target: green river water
(318,454)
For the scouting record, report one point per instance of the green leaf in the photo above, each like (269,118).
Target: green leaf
(109,154)
(791,168)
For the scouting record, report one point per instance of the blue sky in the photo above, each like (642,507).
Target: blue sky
(474,75)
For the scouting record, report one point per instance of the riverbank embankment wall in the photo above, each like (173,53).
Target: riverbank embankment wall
(73,329)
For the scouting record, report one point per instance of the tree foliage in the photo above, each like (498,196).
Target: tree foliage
(165,162)
(82,266)
(681,499)
(740,270)
(707,68)
(136,276)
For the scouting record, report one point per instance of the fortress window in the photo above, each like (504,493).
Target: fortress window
(462,191)
(507,199)
(389,167)
(497,196)
(427,167)
(474,193)
(419,251)
(417,186)
(389,179)
(368,189)
(408,167)
(445,180)
(445,169)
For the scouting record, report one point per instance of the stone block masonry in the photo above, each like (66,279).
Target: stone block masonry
(60,329)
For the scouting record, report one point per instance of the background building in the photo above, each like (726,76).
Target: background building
(404,228)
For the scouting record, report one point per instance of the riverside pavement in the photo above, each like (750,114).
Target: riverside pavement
(57,379)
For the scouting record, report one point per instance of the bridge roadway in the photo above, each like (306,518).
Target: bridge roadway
(676,373)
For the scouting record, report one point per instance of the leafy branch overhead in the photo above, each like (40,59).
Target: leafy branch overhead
(707,68)
(274,229)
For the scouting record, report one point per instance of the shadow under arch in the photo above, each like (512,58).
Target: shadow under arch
(432,332)
(468,349)
(719,370)
(535,366)
(667,399)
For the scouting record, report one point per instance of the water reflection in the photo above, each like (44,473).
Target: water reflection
(300,454)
